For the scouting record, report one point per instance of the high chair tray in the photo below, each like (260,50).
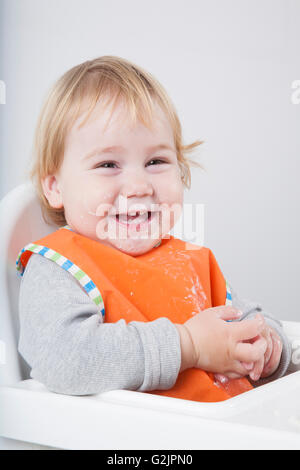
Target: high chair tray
(267,417)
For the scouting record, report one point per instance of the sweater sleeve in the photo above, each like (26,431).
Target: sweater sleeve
(250,309)
(72,351)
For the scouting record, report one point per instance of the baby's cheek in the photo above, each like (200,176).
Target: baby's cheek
(93,201)
(172,195)
(175,188)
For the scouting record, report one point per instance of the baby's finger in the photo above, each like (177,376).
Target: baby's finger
(248,329)
(269,350)
(247,352)
(221,378)
(224,379)
(248,365)
(257,369)
(234,375)
(238,369)
(259,364)
(272,365)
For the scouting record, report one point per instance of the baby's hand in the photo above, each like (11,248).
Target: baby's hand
(210,343)
(267,364)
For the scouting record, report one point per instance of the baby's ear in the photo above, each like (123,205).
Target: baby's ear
(52,191)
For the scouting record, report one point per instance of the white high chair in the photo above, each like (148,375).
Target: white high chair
(31,417)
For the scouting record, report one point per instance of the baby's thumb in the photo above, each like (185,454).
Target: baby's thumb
(229,313)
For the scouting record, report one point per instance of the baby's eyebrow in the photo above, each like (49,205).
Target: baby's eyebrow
(118,148)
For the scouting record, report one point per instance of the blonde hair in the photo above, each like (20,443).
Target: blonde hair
(104,76)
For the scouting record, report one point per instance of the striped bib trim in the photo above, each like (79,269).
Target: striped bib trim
(228,295)
(85,281)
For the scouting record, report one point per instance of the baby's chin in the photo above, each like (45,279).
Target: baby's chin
(132,247)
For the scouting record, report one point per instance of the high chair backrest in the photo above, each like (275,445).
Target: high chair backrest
(21,222)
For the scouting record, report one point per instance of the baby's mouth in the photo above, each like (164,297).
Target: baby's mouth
(138,218)
(122,226)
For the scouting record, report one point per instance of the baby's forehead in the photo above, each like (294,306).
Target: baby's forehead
(109,116)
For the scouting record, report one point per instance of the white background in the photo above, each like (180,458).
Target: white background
(228,66)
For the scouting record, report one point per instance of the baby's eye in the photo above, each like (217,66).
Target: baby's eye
(157,160)
(101,165)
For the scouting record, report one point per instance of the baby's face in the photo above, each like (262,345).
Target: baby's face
(98,188)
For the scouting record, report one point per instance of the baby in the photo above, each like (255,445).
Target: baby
(109,300)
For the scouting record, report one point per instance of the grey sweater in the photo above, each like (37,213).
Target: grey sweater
(71,351)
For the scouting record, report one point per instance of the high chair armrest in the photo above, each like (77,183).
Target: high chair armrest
(133,420)
(267,417)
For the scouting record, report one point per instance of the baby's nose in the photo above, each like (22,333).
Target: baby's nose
(136,189)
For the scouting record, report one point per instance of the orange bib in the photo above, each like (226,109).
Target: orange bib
(174,280)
